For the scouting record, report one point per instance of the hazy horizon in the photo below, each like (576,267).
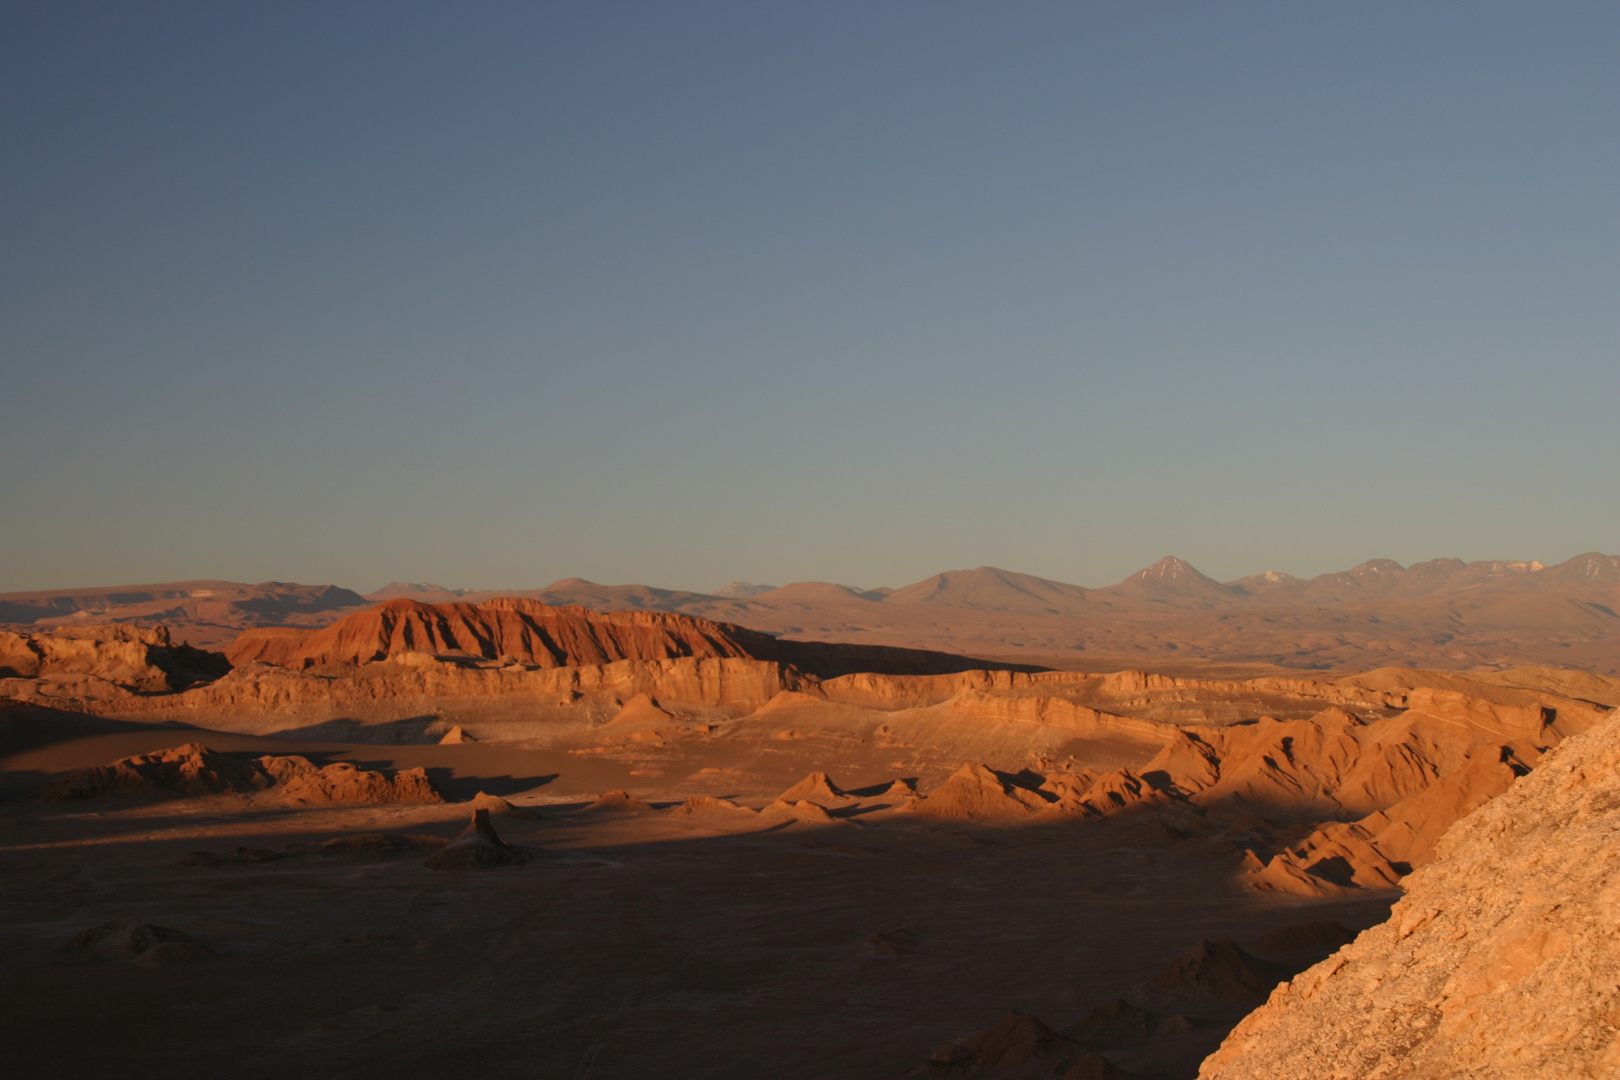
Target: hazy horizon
(476,587)
(681,295)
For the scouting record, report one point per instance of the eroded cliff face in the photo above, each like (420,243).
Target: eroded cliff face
(1320,787)
(534,634)
(128,657)
(1502,962)
(1391,786)
(526,631)
(492,702)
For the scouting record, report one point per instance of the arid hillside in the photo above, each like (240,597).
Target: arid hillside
(694,845)
(1500,963)
(1325,786)
(1168,617)
(202,613)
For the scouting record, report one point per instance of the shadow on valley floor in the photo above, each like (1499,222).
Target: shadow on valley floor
(30,727)
(460,770)
(460,786)
(426,729)
(652,947)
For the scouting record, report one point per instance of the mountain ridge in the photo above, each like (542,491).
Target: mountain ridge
(1441,613)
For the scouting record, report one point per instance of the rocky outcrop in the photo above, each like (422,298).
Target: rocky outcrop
(499,807)
(265,699)
(477,847)
(301,780)
(818,788)
(1120,693)
(189,770)
(1219,969)
(978,793)
(267,645)
(194,769)
(1393,784)
(522,631)
(138,942)
(129,657)
(618,802)
(530,633)
(1500,963)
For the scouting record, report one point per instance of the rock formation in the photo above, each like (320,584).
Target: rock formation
(136,659)
(977,793)
(618,802)
(1500,963)
(1441,613)
(138,942)
(708,804)
(1219,969)
(530,633)
(805,812)
(301,780)
(817,788)
(1410,775)
(499,807)
(1339,787)
(194,769)
(526,631)
(477,847)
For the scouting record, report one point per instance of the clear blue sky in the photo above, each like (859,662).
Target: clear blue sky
(491,294)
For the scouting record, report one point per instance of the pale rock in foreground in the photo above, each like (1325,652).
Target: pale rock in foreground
(1502,962)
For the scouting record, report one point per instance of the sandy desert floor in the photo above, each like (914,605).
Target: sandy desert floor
(646,944)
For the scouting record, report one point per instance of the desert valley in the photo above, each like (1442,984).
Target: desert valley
(1081,541)
(817,831)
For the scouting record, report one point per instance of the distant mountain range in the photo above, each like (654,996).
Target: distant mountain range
(184,603)
(1169,584)
(1441,613)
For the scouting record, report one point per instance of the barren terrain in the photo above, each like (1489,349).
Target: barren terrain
(719,853)
(1168,617)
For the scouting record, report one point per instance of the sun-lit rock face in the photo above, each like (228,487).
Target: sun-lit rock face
(195,769)
(526,631)
(129,657)
(1502,962)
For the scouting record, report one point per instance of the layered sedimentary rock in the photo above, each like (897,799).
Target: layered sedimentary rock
(1322,786)
(1410,775)
(1502,962)
(533,634)
(523,631)
(127,657)
(1383,787)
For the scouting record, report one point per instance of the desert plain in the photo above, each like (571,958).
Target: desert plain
(274,830)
